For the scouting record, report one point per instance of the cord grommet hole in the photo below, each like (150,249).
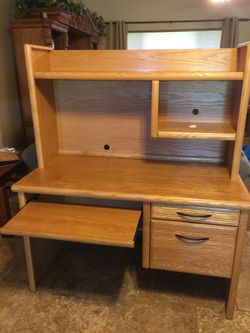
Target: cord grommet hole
(106,147)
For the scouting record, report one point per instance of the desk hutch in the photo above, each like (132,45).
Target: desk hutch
(163,129)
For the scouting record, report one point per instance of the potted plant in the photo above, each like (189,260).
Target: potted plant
(65,11)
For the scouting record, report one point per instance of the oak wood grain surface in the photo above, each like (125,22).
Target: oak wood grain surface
(43,110)
(200,76)
(88,224)
(137,180)
(154,108)
(211,99)
(199,110)
(124,120)
(233,286)
(196,130)
(195,214)
(244,61)
(148,61)
(212,256)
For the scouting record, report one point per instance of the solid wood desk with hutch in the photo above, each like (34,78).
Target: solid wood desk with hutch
(161,128)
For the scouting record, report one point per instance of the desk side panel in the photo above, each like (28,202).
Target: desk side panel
(42,106)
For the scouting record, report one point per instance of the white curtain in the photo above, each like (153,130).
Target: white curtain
(230,32)
(117,35)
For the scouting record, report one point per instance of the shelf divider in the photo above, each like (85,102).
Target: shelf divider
(155,108)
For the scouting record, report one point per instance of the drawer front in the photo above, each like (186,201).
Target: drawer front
(194,214)
(192,248)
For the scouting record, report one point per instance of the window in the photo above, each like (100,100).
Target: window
(174,40)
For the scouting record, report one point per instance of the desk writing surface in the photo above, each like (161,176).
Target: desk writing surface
(137,180)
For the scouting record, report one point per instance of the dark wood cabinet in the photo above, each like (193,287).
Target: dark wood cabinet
(49,27)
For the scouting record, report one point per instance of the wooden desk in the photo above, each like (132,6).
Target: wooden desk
(161,128)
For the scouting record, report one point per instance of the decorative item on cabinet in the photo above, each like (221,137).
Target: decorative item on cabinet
(67,26)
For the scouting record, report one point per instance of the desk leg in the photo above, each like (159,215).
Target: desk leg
(39,252)
(146,235)
(236,266)
(4,206)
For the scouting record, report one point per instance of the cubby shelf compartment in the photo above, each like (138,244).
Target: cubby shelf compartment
(139,75)
(208,131)
(75,223)
(174,114)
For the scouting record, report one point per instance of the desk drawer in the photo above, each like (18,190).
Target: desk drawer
(196,214)
(192,248)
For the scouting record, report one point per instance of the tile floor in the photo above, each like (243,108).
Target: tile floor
(103,289)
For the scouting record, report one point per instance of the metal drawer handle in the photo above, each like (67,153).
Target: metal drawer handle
(191,240)
(189,217)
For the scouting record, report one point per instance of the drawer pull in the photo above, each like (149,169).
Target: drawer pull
(190,218)
(191,240)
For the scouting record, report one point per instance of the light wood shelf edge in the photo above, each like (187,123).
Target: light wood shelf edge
(205,131)
(39,47)
(245,205)
(198,136)
(148,76)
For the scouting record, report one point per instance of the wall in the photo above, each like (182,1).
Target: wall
(11,133)
(157,10)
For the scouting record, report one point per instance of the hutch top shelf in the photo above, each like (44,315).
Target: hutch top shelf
(153,109)
(212,64)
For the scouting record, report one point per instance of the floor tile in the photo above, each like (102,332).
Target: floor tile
(177,287)
(243,297)
(118,273)
(84,270)
(13,301)
(139,314)
(213,321)
(49,312)
(103,289)
(12,260)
